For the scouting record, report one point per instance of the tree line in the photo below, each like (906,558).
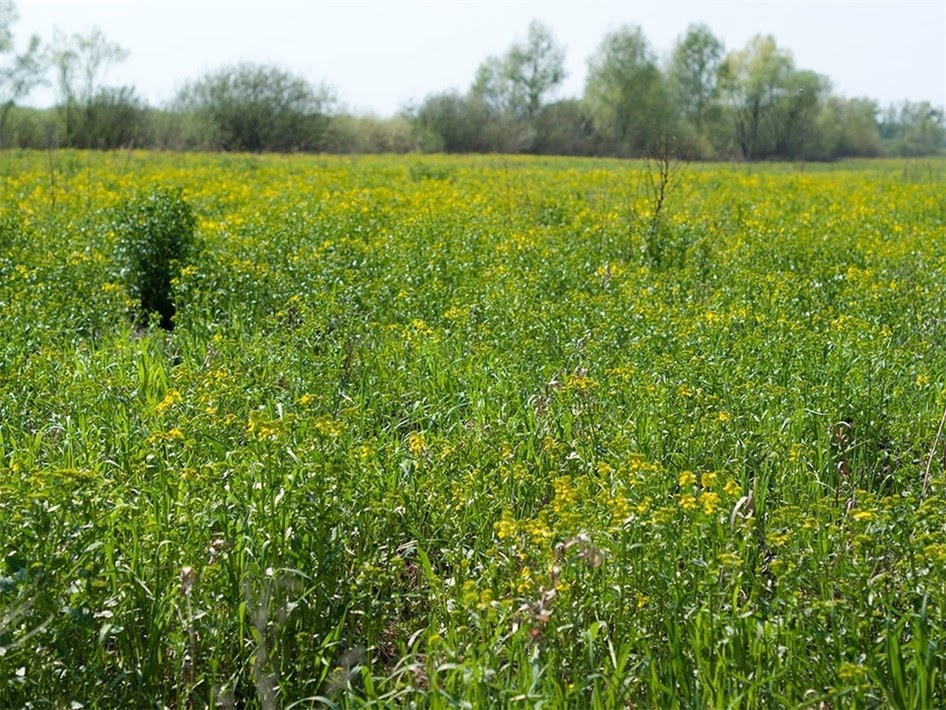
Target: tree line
(753,103)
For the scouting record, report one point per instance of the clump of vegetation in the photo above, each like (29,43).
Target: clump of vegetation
(425,171)
(156,236)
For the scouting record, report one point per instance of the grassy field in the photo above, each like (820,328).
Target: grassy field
(474,432)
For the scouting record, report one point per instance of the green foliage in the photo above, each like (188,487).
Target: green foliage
(19,73)
(80,62)
(519,81)
(368,134)
(566,128)
(155,238)
(30,128)
(452,123)
(627,93)
(846,128)
(773,106)
(426,171)
(914,128)
(751,104)
(258,108)
(460,430)
(112,118)
(693,75)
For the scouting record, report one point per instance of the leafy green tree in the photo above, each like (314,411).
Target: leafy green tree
(914,128)
(794,123)
(753,81)
(694,74)
(493,87)
(512,90)
(626,93)
(846,128)
(28,127)
(349,133)
(453,123)
(774,107)
(442,123)
(113,118)
(258,108)
(565,128)
(19,73)
(860,134)
(81,62)
(521,80)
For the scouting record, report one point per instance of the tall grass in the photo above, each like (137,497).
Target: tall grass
(446,433)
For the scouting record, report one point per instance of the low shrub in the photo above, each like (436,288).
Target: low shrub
(155,234)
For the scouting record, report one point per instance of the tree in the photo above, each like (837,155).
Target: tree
(492,86)
(914,128)
(436,118)
(859,132)
(774,107)
(19,73)
(81,63)
(694,74)
(258,108)
(114,118)
(356,134)
(565,128)
(520,81)
(625,92)
(456,123)
(794,122)
(753,80)
(845,128)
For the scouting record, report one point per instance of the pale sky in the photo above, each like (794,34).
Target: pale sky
(379,56)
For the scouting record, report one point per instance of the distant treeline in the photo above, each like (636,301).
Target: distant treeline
(709,103)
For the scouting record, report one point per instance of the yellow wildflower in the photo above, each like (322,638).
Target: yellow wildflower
(506,527)
(170,399)
(416,443)
(710,502)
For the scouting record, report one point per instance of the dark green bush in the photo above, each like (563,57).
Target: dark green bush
(155,234)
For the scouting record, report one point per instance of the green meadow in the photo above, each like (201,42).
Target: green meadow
(486,431)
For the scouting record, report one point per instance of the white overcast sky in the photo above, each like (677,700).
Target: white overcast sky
(381,55)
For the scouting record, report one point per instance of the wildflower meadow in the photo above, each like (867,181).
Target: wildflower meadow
(426,431)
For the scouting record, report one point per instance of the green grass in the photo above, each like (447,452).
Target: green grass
(469,432)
